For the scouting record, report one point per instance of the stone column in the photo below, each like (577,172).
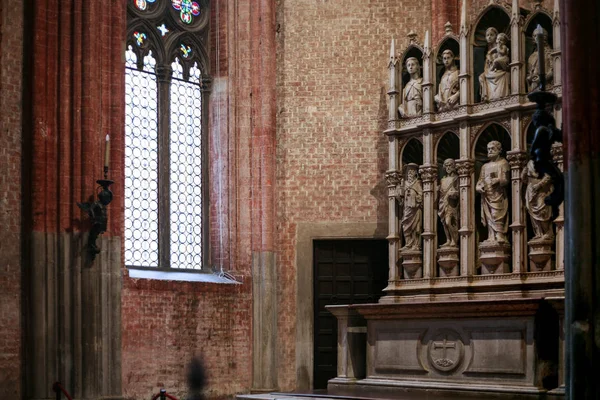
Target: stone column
(428,72)
(263,130)
(557,155)
(517,160)
(73,304)
(393,178)
(557,54)
(581,51)
(351,343)
(428,174)
(466,93)
(517,72)
(466,169)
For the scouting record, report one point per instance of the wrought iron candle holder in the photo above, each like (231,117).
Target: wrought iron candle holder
(97,211)
(546,132)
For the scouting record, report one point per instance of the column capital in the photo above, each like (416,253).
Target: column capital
(465,167)
(517,158)
(428,173)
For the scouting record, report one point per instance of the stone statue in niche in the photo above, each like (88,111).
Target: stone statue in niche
(412,94)
(448,89)
(448,199)
(410,197)
(494,82)
(492,183)
(539,212)
(533,69)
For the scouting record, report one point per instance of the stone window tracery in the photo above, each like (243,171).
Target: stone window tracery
(165,136)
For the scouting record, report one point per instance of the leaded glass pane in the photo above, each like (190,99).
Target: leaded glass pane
(141,164)
(186,172)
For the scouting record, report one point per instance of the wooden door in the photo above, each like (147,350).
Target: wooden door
(345,272)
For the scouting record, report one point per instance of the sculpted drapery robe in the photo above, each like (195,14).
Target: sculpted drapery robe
(412,99)
(449,89)
(412,219)
(494,202)
(533,69)
(448,207)
(539,212)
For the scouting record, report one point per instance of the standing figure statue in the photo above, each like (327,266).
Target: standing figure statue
(412,94)
(539,212)
(494,82)
(410,197)
(533,68)
(448,89)
(492,183)
(448,196)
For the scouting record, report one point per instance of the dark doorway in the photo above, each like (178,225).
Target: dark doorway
(345,272)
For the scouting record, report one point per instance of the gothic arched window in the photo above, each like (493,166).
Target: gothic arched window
(166,90)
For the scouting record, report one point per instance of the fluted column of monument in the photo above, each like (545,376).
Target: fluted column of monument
(428,67)
(465,58)
(393,176)
(559,222)
(556,52)
(466,168)
(394,82)
(516,44)
(517,159)
(428,173)
(393,181)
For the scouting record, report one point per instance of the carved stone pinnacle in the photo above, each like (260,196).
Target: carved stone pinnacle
(448,28)
(412,36)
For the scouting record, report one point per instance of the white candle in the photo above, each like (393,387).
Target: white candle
(107,152)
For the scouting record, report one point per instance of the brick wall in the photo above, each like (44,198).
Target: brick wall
(332,109)
(11,65)
(166,323)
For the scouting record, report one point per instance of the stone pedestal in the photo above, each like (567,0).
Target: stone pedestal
(412,263)
(540,255)
(448,261)
(454,349)
(494,257)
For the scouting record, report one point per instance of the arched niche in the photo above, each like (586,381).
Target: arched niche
(530,134)
(544,20)
(412,152)
(447,147)
(498,18)
(448,43)
(490,132)
(412,51)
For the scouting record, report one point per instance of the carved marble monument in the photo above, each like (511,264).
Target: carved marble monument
(412,94)
(463,312)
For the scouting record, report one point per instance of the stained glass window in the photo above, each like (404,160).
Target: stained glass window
(166,89)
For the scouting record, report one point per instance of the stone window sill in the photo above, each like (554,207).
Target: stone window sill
(206,277)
